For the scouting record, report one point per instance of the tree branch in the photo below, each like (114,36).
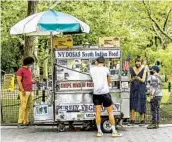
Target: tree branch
(155,22)
(166,21)
(154,29)
(161,39)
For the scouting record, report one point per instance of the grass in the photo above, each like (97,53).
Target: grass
(165,96)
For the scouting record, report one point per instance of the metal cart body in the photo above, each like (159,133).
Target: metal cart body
(72,86)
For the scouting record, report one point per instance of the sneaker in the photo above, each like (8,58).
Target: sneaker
(152,126)
(132,122)
(27,124)
(99,134)
(116,135)
(142,123)
(21,126)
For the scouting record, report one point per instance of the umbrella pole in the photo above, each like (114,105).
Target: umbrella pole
(52,68)
(52,74)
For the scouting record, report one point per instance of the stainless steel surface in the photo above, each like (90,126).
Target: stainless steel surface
(125,95)
(125,107)
(73,98)
(125,78)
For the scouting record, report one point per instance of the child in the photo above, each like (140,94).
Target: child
(155,96)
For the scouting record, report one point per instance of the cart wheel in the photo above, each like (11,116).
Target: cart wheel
(61,127)
(105,125)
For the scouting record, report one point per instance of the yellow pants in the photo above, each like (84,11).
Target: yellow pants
(26,103)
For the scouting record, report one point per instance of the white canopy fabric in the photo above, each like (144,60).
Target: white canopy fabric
(30,25)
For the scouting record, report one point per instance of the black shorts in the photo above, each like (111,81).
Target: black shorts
(104,99)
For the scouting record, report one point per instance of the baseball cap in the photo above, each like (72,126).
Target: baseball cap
(156,68)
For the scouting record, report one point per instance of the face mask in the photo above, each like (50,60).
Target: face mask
(137,66)
(152,72)
(30,66)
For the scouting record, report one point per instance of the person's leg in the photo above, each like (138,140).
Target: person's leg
(20,118)
(24,107)
(111,118)
(97,100)
(143,117)
(153,112)
(107,102)
(158,111)
(143,108)
(28,107)
(98,118)
(142,122)
(133,115)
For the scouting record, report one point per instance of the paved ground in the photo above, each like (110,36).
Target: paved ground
(49,134)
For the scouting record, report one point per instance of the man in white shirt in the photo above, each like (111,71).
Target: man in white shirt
(101,79)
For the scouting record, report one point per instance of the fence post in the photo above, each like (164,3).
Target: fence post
(2,120)
(169,86)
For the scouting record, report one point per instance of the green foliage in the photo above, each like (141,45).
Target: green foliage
(12,12)
(128,20)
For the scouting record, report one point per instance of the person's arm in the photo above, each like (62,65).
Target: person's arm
(153,85)
(36,79)
(143,77)
(153,91)
(108,78)
(130,77)
(19,81)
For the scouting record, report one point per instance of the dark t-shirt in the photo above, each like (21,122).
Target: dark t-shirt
(26,75)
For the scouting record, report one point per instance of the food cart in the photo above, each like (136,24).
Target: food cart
(70,101)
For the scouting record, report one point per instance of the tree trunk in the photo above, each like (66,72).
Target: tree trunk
(29,41)
(36,71)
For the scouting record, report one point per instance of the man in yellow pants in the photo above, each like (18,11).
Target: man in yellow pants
(101,79)
(24,79)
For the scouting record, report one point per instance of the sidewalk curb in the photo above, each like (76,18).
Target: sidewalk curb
(52,127)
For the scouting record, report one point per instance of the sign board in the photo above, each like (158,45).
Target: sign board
(63,42)
(125,85)
(75,85)
(109,42)
(87,54)
(42,110)
(9,82)
(83,107)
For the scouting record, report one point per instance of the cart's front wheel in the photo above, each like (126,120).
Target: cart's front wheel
(61,127)
(106,126)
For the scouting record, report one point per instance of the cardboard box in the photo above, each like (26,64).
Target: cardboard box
(63,42)
(9,82)
(109,42)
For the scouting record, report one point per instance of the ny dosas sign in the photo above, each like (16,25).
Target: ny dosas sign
(87,54)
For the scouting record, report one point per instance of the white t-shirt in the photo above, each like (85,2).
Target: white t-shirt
(99,77)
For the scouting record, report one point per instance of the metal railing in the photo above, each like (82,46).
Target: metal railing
(10,102)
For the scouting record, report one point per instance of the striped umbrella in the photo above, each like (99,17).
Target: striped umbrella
(47,22)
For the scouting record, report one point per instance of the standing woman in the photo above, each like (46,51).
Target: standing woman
(138,92)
